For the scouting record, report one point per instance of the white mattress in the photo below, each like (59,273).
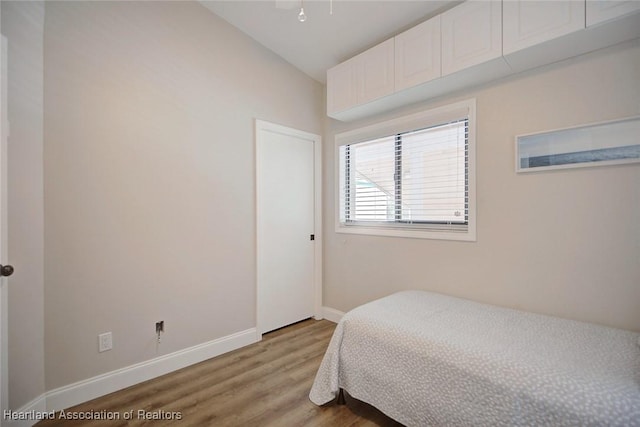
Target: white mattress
(428,359)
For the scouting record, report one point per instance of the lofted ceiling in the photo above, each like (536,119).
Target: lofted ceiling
(324,39)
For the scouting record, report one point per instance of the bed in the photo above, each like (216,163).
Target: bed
(428,359)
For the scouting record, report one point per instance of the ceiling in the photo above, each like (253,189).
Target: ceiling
(324,39)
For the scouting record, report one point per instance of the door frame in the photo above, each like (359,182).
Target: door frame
(4,135)
(262,126)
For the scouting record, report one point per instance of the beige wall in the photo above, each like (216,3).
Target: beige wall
(149,177)
(149,194)
(22,24)
(565,243)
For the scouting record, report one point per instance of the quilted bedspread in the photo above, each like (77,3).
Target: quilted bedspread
(427,359)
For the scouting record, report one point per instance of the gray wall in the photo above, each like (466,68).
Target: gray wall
(149,177)
(565,243)
(22,24)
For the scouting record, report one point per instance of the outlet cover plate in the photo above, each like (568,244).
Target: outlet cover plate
(105,342)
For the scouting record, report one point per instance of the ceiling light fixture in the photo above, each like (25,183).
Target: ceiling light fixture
(301,16)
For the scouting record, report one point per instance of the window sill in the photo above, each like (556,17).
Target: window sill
(468,235)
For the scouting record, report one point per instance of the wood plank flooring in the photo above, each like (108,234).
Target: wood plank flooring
(264,384)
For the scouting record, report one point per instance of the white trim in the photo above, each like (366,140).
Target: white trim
(318,226)
(36,406)
(82,391)
(4,305)
(332,314)
(262,125)
(404,124)
(431,117)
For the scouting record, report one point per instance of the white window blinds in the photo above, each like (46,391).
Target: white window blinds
(414,179)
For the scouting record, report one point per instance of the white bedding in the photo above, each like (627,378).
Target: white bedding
(428,359)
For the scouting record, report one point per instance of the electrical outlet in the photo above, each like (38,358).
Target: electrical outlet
(159,329)
(105,342)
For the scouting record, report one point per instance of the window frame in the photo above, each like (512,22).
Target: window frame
(421,120)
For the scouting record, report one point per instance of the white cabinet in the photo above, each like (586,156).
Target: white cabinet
(527,23)
(375,72)
(471,35)
(538,33)
(599,11)
(417,54)
(341,86)
(473,43)
(361,79)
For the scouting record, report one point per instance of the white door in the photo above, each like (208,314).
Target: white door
(287,225)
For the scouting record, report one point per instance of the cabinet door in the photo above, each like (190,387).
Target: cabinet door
(417,54)
(527,23)
(341,87)
(375,72)
(603,10)
(471,35)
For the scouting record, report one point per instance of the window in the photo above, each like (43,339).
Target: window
(411,177)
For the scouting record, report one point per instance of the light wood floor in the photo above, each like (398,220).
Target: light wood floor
(264,384)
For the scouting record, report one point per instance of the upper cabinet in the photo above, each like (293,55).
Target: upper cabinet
(475,42)
(541,32)
(361,79)
(599,11)
(375,72)
(528,23)
(471,35)
(537,33)
(341,86)
(417,54)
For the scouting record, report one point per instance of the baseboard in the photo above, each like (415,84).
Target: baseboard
(332,314)
(74,394)
(34,411)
